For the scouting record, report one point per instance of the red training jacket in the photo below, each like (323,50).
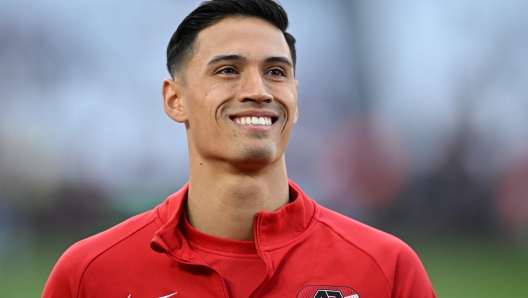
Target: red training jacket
(309,251)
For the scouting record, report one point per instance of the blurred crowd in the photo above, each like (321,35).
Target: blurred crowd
(413,115)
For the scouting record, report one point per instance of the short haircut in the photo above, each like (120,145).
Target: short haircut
(182,43)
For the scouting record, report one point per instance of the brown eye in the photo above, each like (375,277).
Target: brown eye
(277,72)
(227,70)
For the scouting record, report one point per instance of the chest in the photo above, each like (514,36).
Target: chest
(295,272)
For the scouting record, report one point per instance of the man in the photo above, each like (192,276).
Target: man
(239,228)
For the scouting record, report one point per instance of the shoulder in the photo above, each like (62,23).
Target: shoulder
(399,263)
(67,274)
(359,234)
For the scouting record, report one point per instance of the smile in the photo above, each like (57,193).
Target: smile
(262,121)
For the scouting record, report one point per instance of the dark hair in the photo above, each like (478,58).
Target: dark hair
(210,12)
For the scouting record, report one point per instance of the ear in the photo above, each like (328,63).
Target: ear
(172,92)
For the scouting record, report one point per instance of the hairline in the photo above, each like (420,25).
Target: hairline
(192,48)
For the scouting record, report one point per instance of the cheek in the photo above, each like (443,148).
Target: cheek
(204,116)
(288,98)
(199,108)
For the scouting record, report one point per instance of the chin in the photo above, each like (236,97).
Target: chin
(255,156)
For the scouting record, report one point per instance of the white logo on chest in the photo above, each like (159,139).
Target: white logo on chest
(130,296)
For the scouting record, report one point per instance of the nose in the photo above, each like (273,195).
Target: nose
(253,87)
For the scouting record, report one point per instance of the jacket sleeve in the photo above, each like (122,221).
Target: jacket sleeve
(65,278)
(410,277)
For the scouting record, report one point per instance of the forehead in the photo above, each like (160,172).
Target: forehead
(246,36)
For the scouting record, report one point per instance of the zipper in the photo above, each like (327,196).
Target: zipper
(262,256)
(217,274)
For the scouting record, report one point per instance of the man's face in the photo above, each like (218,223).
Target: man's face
(237,93)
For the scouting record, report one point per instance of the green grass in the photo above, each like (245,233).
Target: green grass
(24,270)
(462,268)
(468,268)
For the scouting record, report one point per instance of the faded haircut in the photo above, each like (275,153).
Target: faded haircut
(182,44)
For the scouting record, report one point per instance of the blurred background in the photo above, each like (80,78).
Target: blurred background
(413,119)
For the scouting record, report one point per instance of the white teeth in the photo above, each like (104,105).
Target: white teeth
(262,121)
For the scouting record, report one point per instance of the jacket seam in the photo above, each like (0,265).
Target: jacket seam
(105,250)
(368,254)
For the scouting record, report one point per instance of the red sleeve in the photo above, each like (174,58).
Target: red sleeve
(66,276)
(410,278)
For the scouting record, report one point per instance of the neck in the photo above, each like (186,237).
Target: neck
(223,201)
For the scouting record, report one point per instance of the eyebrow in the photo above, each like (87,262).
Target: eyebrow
(220,58)
(279,59)
(226,58)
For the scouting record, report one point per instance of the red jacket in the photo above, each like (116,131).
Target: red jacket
(309,251)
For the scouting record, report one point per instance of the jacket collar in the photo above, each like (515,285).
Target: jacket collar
(272,229)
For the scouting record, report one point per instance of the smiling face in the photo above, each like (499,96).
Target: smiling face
(237,94)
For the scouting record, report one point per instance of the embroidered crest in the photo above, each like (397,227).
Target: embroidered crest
(327,292)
